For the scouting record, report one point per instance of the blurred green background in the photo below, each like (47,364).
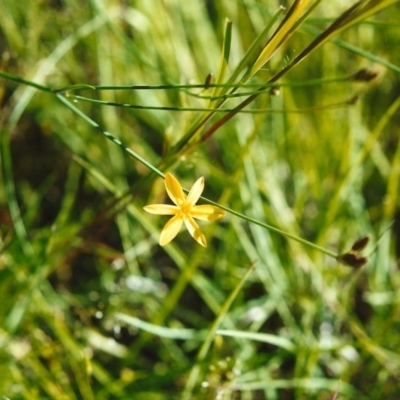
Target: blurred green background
(93,308)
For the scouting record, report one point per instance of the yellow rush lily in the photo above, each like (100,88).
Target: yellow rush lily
(184,210)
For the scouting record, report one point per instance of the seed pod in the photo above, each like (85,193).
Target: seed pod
(208,80)
(360,243)
(353,259)
(364,75)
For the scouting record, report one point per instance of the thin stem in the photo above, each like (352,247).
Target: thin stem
(273,229)
(18,79)
(109,136)
(218,110)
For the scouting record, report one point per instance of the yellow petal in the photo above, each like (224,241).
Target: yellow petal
(161,209)
(170,230)
(195,231)
(174,189)
(207,212)
(195,191)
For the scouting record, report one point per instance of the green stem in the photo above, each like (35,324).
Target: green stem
(109,136)
(218,110)
(17,79)
(273,229)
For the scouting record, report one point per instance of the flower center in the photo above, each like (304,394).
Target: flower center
(185,208)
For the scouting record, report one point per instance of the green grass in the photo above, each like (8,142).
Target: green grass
(296,134)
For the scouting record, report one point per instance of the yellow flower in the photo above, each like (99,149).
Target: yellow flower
(184,210)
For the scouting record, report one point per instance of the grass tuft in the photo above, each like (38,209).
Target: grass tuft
(290,114)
